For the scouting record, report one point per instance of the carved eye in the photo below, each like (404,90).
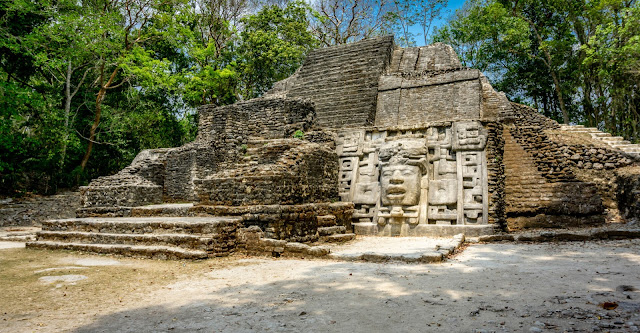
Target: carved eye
(407,173)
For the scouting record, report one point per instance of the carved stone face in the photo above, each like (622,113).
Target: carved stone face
(400,185)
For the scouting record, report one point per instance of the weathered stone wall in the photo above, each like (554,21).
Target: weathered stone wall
(287,172)
(140,183)
(267,118)
(34,210)
(171,174)
(436,57)
(422,99)
(539,195)
(429,84)
(293,223)
(342,82)
(252,241)
(180,170)
(526,116)
(223,137)
(628,192)
(495,173)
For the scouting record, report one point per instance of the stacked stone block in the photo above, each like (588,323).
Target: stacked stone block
(545,198)
(628,192)
(141,183)
(496,173)
(342,82)
(154,237)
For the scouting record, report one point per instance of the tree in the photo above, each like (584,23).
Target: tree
(274,44)
(345,21)
(407,14)
(574,59)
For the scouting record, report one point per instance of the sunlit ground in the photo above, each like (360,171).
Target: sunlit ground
(490,288)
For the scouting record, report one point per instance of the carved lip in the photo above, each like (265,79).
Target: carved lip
(395,191)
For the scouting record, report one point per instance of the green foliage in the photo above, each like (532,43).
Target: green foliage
(78,74)
(575,61)
(298,134)
(243,148)
(273,45)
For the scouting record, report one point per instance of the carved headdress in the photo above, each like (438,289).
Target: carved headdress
(404,151)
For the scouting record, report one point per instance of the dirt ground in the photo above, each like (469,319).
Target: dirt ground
(573,287)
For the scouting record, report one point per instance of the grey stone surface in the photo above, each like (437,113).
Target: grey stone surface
(32,211)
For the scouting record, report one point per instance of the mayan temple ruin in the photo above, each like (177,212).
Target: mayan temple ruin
(364,139)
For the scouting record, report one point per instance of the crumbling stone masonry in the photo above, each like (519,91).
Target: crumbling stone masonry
(396,141)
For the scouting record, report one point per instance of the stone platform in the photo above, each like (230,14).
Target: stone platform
(151,237)
(18,234)
(429,230)
(404,249)
(188,231)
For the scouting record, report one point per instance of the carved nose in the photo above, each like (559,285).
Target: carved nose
(396,179)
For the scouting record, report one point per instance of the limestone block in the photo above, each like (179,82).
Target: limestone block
(443,192)
(469,136)
(437,56)
(442,213)
(366,193)
(350,143)
(409,59)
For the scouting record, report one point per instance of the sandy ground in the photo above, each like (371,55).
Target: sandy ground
(392,245)
(487,288)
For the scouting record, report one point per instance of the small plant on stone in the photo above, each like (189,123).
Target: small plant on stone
(243,148)
(298,134)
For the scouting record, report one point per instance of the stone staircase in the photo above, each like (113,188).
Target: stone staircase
(533,200)
(330,231)
(158,237)
(524,186)
(615,142)
(174,231)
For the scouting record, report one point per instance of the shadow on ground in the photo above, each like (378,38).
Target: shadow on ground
(489,288)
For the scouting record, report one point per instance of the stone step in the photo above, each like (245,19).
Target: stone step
(145,251)
(326,221)
(166,210)
(146,225)
(18,238)
(339,238)
(194,242)
(598,135)
(627,147)
(613,139)
(328,231)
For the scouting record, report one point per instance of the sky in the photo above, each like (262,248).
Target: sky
(451,8)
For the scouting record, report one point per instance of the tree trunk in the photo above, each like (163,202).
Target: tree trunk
(556,83)
(96,120)
(547,62)
(67,111)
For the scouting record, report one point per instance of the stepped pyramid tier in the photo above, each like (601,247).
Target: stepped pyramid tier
(364,138)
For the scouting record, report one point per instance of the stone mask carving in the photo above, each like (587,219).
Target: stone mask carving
(400,185)
(403,163)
